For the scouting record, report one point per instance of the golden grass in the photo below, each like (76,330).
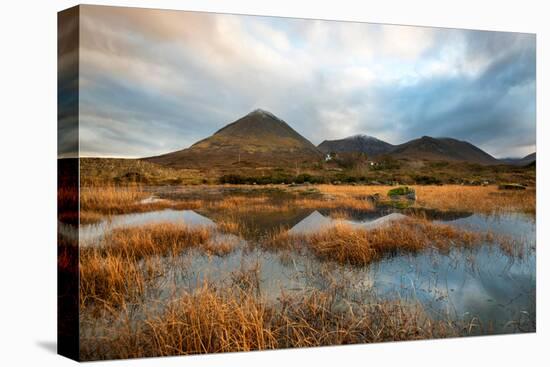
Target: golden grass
(342,202)
(99,201)
(231,320)
(96,202)
(247,277)
(359,247)
(340,214)
(109,280)
(161,239)
(235,203)
(481,199)
(117,269)
(267,204)
(111,199)
(231,225)
(87,217)
(94,171)
(347,245)
(115,275)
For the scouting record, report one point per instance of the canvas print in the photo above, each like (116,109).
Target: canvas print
(235,183)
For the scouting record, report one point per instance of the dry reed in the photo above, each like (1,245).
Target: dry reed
(117,269)
(348,245)
(481,199)
(210,320)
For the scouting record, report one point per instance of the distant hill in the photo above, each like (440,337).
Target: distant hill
(257,139)
(357,143)
(528,159)
(442,149)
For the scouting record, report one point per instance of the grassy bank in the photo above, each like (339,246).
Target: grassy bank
(350,245)
(211,320)
(130,171)
(100,201)
(479,199)
(117,270)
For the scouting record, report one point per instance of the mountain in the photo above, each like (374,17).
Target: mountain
(528,159)
(442,149)
(357,143)
(255,140)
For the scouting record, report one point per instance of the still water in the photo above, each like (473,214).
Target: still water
(483,283)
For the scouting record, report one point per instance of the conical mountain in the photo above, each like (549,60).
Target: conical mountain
(259,139)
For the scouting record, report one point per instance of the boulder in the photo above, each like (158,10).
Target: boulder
(511,186)
(402,193)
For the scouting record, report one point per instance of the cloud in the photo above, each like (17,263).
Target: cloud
(154,81)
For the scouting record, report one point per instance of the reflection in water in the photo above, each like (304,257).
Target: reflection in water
(481,282)
(95,231)
(316,222)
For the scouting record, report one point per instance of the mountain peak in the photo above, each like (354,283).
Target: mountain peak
(363,137)
(257,139)
(262,113)
(356,143)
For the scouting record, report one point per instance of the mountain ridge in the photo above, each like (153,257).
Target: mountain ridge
(444,149)
(261,139)
(523,161)
(356,143)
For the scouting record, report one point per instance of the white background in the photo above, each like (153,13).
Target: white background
(28,181)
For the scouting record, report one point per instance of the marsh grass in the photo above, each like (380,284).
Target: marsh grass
(347,245)
(342,202)
(340,214)
(247,278)
(111,199)
(344,244)
(479,199)
(231,225)
(236,204)
(98,202)
(156,239)
(109,280)
(231,315)
(212,320)
(117,270)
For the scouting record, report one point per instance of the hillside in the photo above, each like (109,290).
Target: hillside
(357,143)
(259,139)
(528,159)
(442,149)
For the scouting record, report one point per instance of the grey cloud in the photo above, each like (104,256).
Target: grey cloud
(157,81)
(494,110)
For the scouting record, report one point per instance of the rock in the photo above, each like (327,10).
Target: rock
(402,193)
(511,186)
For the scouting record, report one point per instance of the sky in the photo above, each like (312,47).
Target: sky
(156,81)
